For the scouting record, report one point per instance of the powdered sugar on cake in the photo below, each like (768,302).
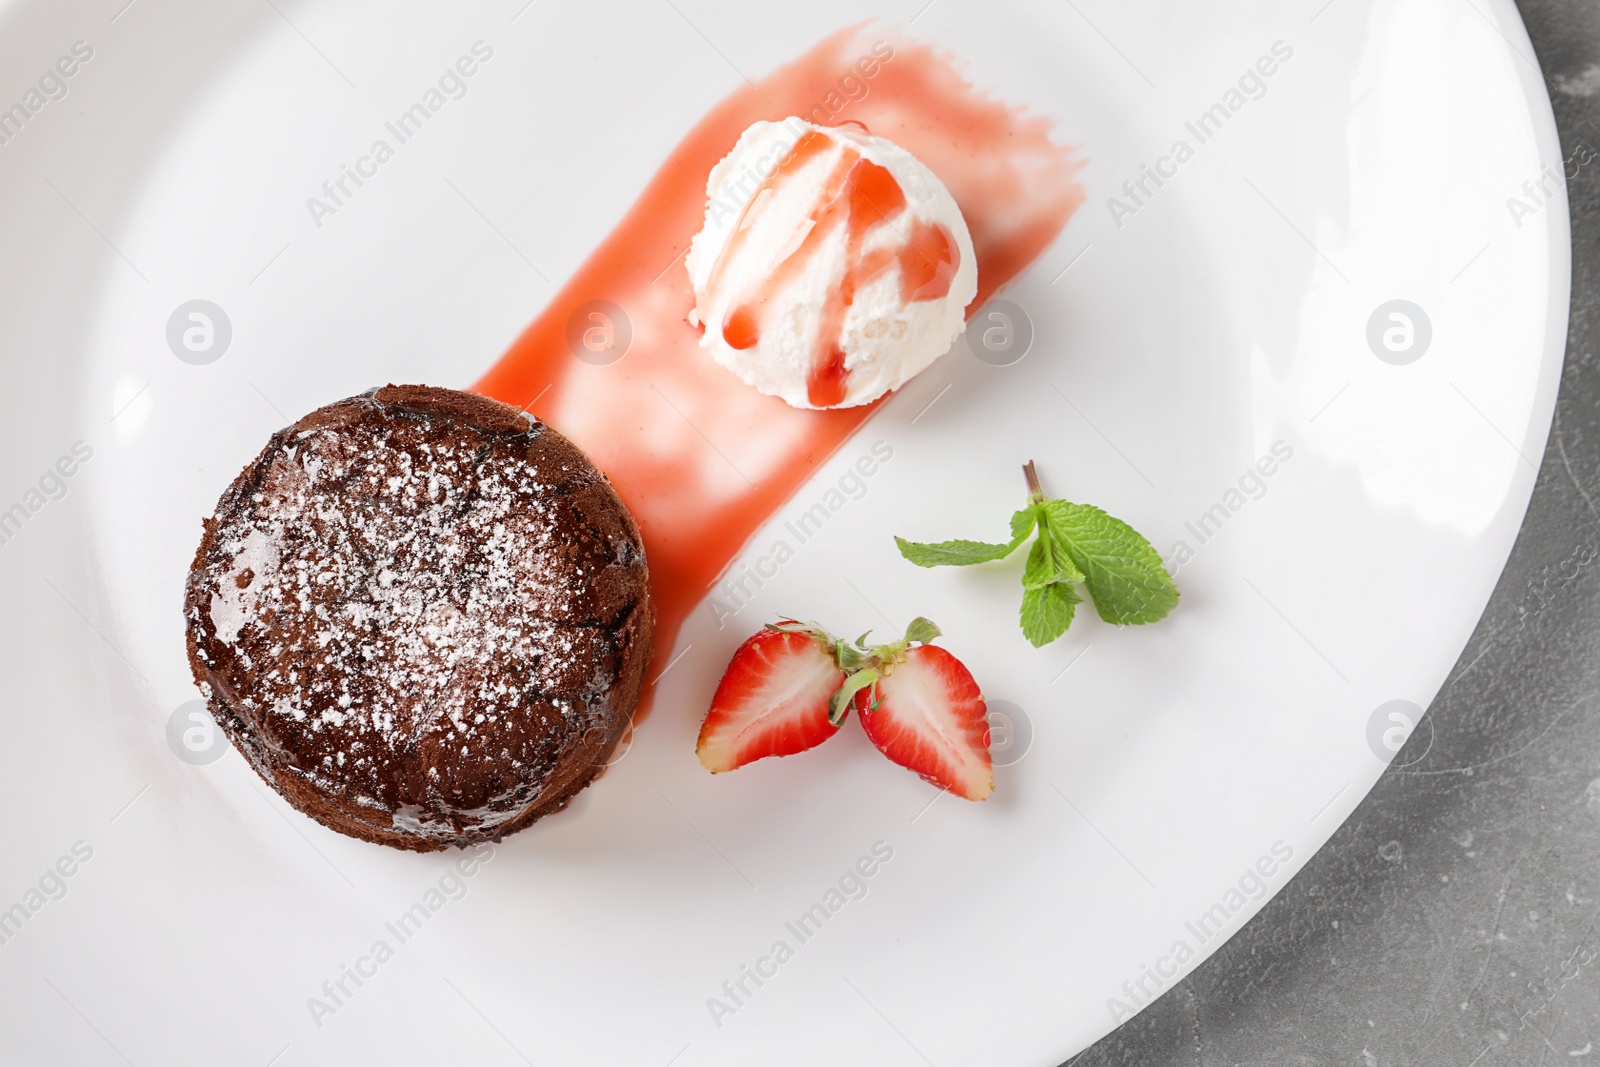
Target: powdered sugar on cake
(402,605)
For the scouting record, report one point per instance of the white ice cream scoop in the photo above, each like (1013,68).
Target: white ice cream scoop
(833,265)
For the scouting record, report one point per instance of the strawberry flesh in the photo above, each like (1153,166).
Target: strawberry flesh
(772,701)
(928,715)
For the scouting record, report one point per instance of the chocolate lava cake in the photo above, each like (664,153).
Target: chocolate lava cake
(423,616)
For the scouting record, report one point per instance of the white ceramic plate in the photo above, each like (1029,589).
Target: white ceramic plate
(1225,320)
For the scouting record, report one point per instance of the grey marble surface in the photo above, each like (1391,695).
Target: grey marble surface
(1451,920)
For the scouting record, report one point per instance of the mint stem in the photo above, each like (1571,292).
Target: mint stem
(1035,491)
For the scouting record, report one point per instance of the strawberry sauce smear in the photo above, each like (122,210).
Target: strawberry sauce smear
(701,459)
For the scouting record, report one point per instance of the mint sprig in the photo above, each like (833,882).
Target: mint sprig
(1074,544)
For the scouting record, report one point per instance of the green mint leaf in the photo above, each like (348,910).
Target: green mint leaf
(1049,562)
(967,553)
(839,703)
(1022,524)
(1064,561)
(1125,576)
(921,631)
(1041,569)
(1047,612)
(953,553)
(1076,545)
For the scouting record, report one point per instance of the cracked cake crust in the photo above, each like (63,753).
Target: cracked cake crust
(422,616)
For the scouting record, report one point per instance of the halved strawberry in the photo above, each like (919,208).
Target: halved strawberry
(773,698)
(925,713)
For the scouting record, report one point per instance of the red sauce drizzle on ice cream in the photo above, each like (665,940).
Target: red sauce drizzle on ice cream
(701,459)
(861,196)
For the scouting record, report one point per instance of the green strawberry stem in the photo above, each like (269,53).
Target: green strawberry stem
(863,666)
